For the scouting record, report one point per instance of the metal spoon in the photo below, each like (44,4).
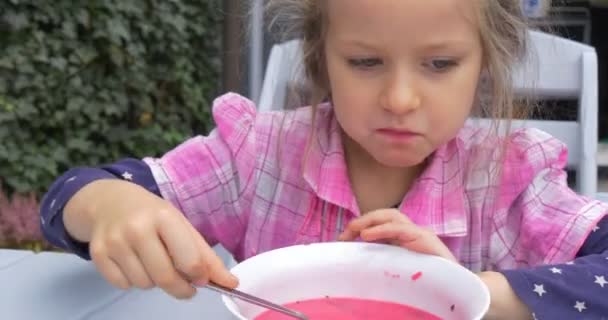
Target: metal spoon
(255,300)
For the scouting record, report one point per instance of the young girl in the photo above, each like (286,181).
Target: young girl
(388,158)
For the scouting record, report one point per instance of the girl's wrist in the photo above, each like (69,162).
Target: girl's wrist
(504,303)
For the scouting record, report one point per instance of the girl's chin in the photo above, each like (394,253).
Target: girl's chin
(400,162)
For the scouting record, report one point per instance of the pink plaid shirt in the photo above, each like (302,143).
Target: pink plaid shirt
(252,186)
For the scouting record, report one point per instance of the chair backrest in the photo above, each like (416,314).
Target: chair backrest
(557,68)
(284,71)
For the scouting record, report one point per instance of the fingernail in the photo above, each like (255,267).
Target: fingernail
(201,283)
(234,278)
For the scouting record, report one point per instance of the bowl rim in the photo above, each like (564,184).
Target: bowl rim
(231,306)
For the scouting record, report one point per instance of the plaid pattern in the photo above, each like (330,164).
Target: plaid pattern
(256,184)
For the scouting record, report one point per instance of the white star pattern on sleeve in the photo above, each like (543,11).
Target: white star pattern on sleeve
(600,280)
(539,289)
(580,306)
(595,228)
(127,176)
(556,270)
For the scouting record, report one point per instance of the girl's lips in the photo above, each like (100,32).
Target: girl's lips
(397,134)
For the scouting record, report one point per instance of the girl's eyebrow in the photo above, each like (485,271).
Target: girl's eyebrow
(449,44)
(357,43)
(436,45)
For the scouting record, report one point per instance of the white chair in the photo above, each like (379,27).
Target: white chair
(566,69)
(284,70)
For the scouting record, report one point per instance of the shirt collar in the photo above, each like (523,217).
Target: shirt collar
(325,167)
(436,200)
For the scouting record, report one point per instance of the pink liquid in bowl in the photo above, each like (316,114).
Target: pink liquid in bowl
(350,309)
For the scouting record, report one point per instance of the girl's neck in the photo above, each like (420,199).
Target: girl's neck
(375,185)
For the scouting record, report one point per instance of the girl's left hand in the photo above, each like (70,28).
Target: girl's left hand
(393,227)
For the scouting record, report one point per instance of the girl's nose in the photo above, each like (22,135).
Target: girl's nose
(400,96)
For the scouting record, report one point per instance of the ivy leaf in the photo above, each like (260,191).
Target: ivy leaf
(87,82)
(118,30)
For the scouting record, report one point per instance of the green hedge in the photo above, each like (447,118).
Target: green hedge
(87,82)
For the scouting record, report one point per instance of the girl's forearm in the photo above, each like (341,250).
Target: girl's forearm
(504,302)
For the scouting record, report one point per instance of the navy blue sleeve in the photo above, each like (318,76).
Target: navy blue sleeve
(574,290)
(62,190)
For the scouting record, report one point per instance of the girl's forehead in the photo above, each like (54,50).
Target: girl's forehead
(403,8)
(393,17)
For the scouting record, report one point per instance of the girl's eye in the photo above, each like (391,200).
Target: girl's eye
(441,65)
(365,62)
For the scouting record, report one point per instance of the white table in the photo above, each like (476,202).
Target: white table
(49,286)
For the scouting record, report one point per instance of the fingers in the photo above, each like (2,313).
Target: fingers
(109,269)
(135,256)
(378,217)
(166,251)
(134,270)
(118,263)
(401,233)
(192,256)
(217,271)
(163,273)
(392,226)
(409,236)
(174,233)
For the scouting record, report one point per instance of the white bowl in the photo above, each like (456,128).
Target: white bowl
(360,270)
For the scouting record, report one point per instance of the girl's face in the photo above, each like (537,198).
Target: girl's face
(403,74)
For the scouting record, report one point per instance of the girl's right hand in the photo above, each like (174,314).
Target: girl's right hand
(137,239)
